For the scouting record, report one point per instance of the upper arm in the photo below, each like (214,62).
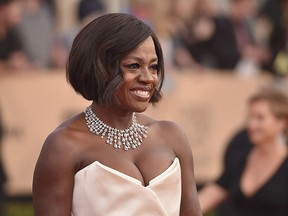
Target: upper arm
(189,200)
(54,178)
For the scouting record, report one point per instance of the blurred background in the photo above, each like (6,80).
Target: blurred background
(217,54)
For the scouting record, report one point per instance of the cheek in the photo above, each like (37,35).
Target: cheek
(123,91)
(261,129)
(271,126)
(129,78)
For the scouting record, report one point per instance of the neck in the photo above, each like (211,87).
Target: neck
(113,117)
(270,147)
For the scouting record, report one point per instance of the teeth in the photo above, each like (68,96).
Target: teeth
(142,93)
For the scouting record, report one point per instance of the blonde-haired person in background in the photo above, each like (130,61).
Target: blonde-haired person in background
(258,184)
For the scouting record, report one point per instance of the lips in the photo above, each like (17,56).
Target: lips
(143,94)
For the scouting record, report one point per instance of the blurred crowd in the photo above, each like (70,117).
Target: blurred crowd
(241,36)
(247,37)
(29,39)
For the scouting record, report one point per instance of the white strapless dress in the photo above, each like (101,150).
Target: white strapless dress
(102,191)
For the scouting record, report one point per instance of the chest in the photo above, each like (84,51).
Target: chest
(143,163)
(257,172)
(262,185)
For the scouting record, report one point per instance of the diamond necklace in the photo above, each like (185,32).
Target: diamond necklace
(131,137)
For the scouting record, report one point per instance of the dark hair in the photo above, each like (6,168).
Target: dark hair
(3,2)
(93,66)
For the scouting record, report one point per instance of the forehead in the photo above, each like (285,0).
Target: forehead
(146,49)
(261,105)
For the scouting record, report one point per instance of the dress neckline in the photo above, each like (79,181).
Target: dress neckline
(154,180)
(260,188)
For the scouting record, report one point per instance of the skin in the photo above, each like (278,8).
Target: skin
(263,161)
(71,147)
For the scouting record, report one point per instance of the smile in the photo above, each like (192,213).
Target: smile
(141,94)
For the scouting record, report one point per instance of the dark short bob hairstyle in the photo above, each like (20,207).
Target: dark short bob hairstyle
(93,65)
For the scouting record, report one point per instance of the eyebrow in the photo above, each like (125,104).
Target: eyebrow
(140,59)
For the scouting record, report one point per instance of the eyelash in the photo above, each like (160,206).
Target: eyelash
(135,66)
(155,67)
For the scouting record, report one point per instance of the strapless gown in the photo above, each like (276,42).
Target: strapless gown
(102,191)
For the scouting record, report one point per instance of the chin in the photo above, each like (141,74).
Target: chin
(255,140)
(140,109)
(140,106)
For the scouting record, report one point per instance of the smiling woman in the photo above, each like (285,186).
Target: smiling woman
(257,181)
(116,61)
(93,66)
(139,65)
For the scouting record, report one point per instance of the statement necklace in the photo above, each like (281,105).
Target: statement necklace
(131,137)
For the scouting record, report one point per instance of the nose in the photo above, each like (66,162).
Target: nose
(146,76)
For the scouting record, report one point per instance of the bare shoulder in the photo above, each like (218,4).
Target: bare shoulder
(162,124)
(172,132)
(55,169)
(175,136)
(60,144)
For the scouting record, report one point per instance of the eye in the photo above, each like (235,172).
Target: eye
(133,66)
(155,67)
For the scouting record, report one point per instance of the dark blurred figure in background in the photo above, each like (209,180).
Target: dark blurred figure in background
(197,28)
(170,21)
(256,179)
(225,42)
(37,32)
(3,177)
(87,10)
(276,13)
(12,57)
(237,149)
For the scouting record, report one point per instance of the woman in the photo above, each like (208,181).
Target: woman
(108,160)
(258,184)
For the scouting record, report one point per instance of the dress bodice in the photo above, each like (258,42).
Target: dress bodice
(100,190)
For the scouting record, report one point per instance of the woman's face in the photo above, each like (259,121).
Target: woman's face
(263,126)
(140,74)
